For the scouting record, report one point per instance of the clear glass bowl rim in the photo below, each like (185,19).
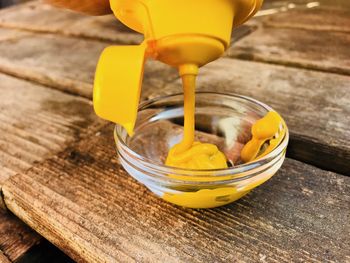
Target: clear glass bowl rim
(238,169)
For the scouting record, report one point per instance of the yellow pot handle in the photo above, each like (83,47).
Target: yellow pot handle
(117,84)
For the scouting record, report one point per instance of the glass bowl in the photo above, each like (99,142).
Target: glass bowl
(222,119)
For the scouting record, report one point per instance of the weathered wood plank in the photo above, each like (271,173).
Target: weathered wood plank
(8,34)
(66,63)
(244,30)
(41,17)
(87,205)
(16,237)
(318,50)
(315,105)
(3,258)
(323,19)
(37,122)
(57,61)
(20,244)
(307,4)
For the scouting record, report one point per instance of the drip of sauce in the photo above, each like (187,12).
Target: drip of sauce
(269,131)
(190,154)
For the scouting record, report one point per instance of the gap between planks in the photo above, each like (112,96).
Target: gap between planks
(291,64)
(59,33)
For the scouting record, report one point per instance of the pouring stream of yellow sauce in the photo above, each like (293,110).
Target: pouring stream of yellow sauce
(190,154)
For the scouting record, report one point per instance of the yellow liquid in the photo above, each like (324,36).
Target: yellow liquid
(190,154)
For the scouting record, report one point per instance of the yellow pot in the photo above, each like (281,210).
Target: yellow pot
(177,32)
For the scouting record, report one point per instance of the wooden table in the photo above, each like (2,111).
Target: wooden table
(61,177)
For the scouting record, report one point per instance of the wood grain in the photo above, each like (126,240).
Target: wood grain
(37,122)
(40,17)
(65,63)
(8,34)
(3,258)
(314,104)
(320,19)
(16,237)
(86,204)
(318,50)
